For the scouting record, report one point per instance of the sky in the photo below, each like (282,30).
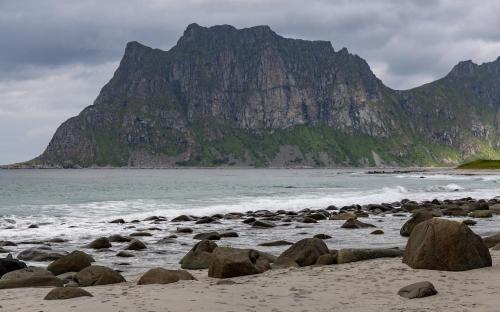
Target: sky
(56,55)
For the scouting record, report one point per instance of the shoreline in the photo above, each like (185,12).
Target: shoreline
(370,285)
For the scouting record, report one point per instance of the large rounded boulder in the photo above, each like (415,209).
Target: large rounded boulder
(164,276)
(199,256)
(73,262)
(417,218)
(440,244)
(229,262)
(98,275)
(8,265)
(306,251)
(62,293)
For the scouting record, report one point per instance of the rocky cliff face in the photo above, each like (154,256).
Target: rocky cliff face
(224,96)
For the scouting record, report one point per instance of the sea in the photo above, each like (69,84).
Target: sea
(77,205)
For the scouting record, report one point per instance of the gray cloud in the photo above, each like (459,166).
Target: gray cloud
(57,54)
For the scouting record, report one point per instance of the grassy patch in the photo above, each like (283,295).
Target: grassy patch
(481,164)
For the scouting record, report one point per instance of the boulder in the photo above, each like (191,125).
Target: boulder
(73,262)
(440,244)
(326,259)
(356,224)
(229,234)
(322,236)
(38,254)
(231,262)
(199,256)
(181,218)
(116,238)
(98,275)
(26,272)
(205,220)
(343,216)
(353,255)
(377,232)
(99,243)
(418,290)
(61,293)
(417,218)
(135,244)
(492,240)
(207,236)
(185,230)
(8,265)
(124,254)
(119,221)
(480,214)
(276,243)
(262,224)
(32,281)
(306,251)
(164,276)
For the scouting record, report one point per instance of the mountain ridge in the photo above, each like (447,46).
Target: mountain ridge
(249,97)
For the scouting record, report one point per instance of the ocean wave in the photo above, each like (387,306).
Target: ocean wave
(452,187)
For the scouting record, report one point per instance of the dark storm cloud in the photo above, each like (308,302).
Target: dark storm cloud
(57,54)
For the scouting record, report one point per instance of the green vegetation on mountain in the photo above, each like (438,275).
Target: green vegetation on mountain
(481,164)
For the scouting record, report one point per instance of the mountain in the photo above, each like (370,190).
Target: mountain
(249,97)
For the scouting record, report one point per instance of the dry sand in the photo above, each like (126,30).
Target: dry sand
(362,286)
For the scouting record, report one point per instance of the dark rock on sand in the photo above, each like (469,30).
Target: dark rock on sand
(353,255)
(135,244)
(356,224)
(164,276)
(27,272)
(185,230)
(61,293)
(377,232)
(306,251)
(418,290)
(440,244)
(8,265)
(32,281)
(229,262)
(417,218)
(73,262)
(99,243)
(199,256)
(326,259)
(492,240)
(98,275)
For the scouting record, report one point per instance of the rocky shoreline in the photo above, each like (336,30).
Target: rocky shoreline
(452,246)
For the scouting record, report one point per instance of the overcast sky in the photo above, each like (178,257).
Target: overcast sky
(55,55)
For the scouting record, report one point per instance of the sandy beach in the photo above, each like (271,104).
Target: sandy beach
(360,286)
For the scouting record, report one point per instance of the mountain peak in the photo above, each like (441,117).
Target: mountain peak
(464,68)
